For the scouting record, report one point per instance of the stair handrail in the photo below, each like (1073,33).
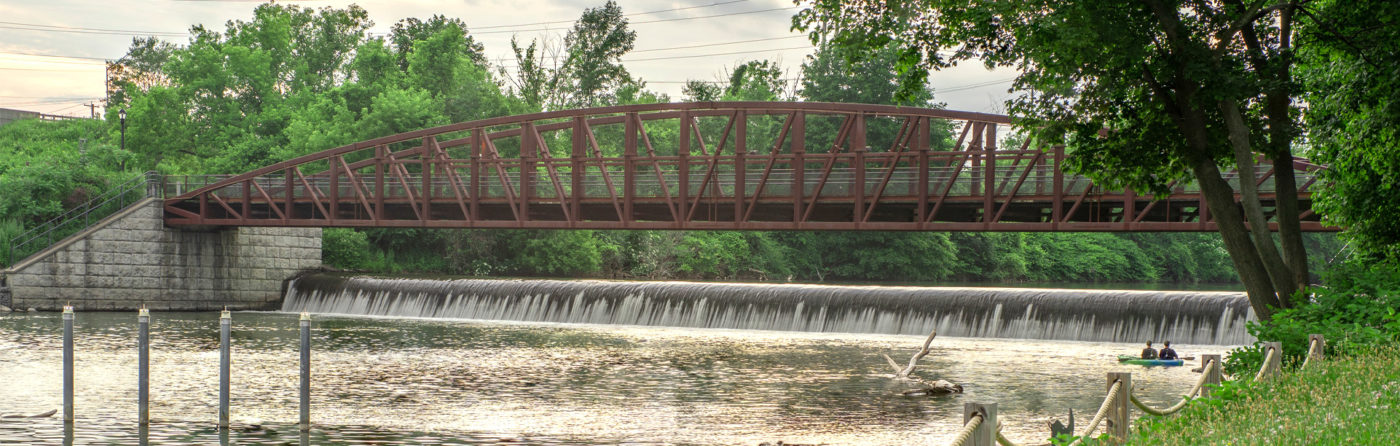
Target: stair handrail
(149,180)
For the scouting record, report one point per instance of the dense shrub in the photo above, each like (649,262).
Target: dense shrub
(1355,309)
(345,248)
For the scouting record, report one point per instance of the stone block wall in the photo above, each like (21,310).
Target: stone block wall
(131,259)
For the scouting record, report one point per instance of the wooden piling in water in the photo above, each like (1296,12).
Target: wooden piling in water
(143,366)
(305,371)
(68,363)
(225,323)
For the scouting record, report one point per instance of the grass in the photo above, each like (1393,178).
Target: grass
(1351,401)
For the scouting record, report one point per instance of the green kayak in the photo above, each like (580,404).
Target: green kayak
(1148,362)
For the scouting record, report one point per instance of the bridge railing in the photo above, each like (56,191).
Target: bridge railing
(840,182)
(118,197)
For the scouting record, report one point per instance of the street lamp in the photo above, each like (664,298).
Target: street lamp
(122,115)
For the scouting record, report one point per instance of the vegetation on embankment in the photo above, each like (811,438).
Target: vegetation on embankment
(1351,400)
(1352,397)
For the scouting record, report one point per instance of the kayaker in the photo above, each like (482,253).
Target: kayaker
(1149,352)
(1167,352)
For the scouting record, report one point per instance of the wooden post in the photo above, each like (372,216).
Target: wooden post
(1212,376)
(1316,355)
(986,433)
(143,366)
(1272,368)
(225,322)
(305,371)
(68,364)
(1118,412)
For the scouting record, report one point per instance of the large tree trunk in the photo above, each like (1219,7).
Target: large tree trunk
(1279,107)
(1228,220)
(1279,272)
(1290,228)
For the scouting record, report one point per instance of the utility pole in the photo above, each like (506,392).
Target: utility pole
(92,109)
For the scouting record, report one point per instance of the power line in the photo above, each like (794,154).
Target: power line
(717,54)
(82,30)
(786,79)
(719,44)
(519,25)
(714,16)
(4,53)
(44,69)
(972,86)
(33,103)
(50,97)
(654,21)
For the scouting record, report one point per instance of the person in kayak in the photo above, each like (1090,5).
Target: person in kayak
(1149,352)
(1167,352)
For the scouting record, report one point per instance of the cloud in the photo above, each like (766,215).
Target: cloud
(732,24)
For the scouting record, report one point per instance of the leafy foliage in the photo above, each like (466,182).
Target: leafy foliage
(1143,94)
(1355,310)
(1352,74)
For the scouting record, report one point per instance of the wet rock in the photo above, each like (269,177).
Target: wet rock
(4,309)
(33,310)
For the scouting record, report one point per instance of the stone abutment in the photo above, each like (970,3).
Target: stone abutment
(132,259)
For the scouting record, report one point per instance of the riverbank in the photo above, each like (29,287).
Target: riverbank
(1344,401)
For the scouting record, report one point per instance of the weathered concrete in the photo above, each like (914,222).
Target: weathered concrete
(132,259)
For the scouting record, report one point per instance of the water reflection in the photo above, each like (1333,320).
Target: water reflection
(432,381)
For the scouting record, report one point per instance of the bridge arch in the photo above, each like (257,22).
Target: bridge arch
(701,165)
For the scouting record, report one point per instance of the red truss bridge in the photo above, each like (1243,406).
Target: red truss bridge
(704,166)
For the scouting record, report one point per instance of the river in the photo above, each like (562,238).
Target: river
(446,379)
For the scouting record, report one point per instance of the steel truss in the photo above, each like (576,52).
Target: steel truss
(745,165)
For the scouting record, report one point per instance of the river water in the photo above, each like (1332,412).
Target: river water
(383,379)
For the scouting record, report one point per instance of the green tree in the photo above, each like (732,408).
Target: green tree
(1348,65)
(1143,93)
(408,32)
(593,67)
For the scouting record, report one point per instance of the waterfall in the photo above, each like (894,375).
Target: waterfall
(1184,317)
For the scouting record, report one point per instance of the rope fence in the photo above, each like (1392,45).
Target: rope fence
(1205,375)
(981,427)
(1271,361)
(967,430)
(1315,346)
(1102,413)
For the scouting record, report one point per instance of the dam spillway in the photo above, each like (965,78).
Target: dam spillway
(1183,317)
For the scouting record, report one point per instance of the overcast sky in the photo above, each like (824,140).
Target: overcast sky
(709,37)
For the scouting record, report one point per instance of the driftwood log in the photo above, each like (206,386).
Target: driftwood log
(921,387)
(40,415)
